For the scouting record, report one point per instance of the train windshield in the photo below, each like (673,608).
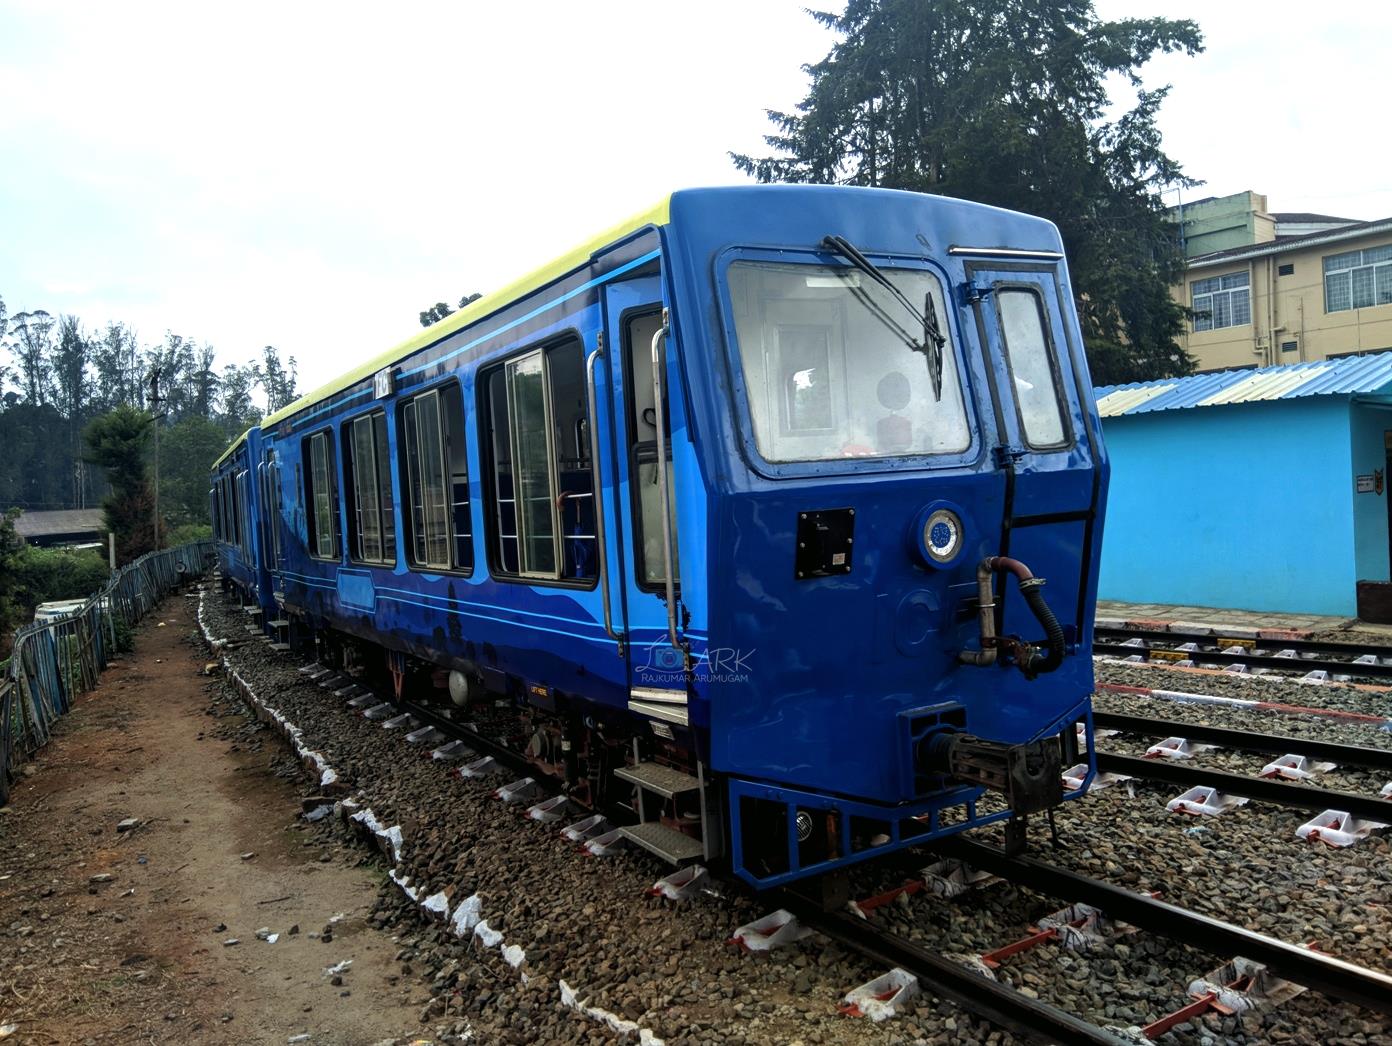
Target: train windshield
(833,367)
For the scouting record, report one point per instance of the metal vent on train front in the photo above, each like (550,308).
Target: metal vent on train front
(824,543)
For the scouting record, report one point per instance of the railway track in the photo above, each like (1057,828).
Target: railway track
(1314,969)
(1031,1018)
(1260,789)
(1277,655)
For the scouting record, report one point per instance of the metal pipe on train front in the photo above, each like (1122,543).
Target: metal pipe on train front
(986,615)
(1031,662)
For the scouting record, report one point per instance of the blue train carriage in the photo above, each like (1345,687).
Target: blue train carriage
(232,503)
(243,499)
(741,505)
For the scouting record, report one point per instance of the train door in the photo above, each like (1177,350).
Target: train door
(639,496)
(1049,444)
(272,552)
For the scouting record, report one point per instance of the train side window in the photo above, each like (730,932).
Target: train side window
(1033,370)
(436,468)
(542,484)
(275,505)
(642,428)
(372,537)
(223,507)
(243,523)
(321,495)
(234,531)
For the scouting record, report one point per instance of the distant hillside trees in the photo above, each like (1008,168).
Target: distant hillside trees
(57,376)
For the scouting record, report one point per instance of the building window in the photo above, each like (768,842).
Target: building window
(1358,279)
(540,476)
(1286,269)
(322,496)
(436,469)
(372,538)
(1221,301)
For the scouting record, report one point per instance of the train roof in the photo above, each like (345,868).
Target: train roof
(232,448)
(480,308)
(660,214)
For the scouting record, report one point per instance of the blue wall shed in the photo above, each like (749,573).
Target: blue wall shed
(1241,488)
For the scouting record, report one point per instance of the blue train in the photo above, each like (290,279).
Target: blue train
(739,505)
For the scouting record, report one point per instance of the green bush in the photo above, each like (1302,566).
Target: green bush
(182,535)
(125,635)
(43,575)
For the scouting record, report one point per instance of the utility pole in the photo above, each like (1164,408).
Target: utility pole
(155,401)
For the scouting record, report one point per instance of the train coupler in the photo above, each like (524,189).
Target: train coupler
(1029,775)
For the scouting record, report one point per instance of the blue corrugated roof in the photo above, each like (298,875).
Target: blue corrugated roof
(1350,376)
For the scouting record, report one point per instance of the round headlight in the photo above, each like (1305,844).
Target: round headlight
(940,535)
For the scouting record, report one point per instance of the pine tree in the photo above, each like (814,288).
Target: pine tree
(1004,102)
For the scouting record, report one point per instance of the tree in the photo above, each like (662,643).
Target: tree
(239,412)
(73,389)
(440,310)
(175,360)
(36,462)
(32,341)
(1004,102)
(11,549)
(205,383)
(277,380)
(118,442)
(186,452)
(4,368)
(116,362)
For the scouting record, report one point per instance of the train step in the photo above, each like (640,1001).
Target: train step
(279,622)
(658,779)
(671,845)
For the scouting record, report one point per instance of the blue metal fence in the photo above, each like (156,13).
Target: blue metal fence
(54,662)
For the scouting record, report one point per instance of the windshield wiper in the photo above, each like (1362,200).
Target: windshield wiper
(933,339)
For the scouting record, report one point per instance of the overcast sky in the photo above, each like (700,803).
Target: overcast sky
(313,175)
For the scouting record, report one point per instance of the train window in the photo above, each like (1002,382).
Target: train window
(1032,368)
(322,496)
(436,468)
(243,512)
(541,480)
(275,505)
(234,536)
(642,426)
(270,509)
(832,366)
(372,538)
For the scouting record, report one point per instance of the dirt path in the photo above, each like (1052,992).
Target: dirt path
(111,936)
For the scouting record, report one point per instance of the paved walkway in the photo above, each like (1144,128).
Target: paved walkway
(1184,618)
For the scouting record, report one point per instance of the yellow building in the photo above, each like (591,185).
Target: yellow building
(1285,298)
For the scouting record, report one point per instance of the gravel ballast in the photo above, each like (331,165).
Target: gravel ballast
(583,955)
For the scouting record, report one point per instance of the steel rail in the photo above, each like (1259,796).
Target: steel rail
(1000,1004)
(481,743)
(1335,647)
(1324,973)
(1262,789)
(1225,657)
(1274,744)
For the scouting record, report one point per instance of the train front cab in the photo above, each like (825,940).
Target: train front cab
(856,496)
